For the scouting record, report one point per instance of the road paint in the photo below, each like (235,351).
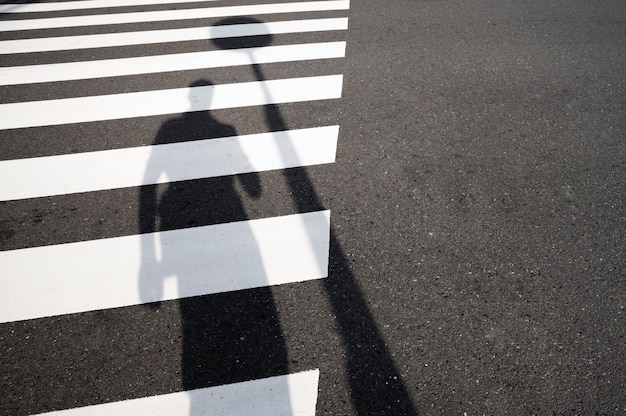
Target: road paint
(292,394)
(70,71)
(85,5)
(91,275)
(108,169)
(179,100)
(169,15)
(107,40)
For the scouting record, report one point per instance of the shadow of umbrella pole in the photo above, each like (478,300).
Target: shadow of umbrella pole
(245,43)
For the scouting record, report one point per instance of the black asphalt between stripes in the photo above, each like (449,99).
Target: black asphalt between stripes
(95,136)
(160,81)
(129,51)
(104,356)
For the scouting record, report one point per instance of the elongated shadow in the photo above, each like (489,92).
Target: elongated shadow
(375,382)
(227,337)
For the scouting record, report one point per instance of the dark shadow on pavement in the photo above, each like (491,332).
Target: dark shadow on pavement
(227,337)
(376,386)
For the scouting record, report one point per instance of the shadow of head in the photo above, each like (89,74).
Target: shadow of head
(201,83)
(240,32)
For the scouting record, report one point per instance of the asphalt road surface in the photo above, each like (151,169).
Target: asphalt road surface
(336,208)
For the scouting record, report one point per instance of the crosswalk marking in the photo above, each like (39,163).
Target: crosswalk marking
(293,394)
(93,171)
(68,71)
(84,5)
(100,274)
(133,269)
(106,40)
(179,100)
(167,15)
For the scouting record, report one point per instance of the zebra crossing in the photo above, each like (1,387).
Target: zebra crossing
(166,258)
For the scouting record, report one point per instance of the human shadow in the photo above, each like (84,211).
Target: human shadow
(226,337)
(376,385)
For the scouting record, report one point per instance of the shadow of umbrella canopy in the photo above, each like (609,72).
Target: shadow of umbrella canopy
(254,41)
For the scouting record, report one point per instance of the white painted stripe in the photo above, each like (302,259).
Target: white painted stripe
(100,274)
(289,395)
(85,5)
(168,63)
(84,172)
(106,40)
(166,15)
(151,103)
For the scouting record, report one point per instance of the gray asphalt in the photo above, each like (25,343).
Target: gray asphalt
(478,252)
